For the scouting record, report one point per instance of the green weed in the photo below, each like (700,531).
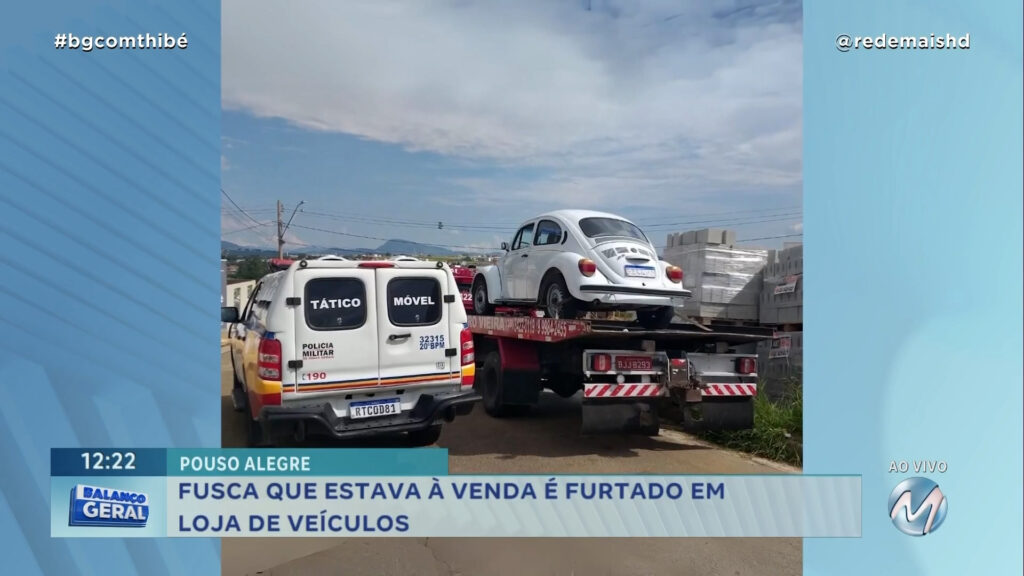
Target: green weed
(778,428)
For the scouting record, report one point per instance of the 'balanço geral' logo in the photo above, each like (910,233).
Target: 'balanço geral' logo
(110,507)
(917,506)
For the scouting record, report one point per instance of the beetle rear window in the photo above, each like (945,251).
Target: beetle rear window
(414,301)
(603,227)
(335,303)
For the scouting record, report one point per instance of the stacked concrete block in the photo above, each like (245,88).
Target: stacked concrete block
(782,295)
(681,239)
(725,281)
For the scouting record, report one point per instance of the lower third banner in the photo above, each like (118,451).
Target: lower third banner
(318,499)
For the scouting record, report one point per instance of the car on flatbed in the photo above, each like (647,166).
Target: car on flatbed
(352,349)
(572,261)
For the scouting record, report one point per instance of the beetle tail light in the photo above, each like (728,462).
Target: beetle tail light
(674,273)
(587,267)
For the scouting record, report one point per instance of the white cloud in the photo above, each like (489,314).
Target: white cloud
(798,227)
(643,97)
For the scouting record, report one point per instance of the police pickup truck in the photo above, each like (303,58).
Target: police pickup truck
(352,349)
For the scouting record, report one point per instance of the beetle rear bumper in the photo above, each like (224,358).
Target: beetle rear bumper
(615,295)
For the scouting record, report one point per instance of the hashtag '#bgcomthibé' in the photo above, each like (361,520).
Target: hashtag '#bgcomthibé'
(60,41)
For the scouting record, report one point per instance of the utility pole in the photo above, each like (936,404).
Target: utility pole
(282,226)
(280,233)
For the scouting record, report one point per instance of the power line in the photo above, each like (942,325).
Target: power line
(414,224)
(727,213)
(770,237)
(247,228)
(728,222)
(406,223)
(383,239)
(750,213)
(239,207)
(230,210)
(742,220)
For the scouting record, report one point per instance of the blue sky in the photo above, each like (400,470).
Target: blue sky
(388,117)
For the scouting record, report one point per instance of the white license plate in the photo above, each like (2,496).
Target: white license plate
(374,408)
(640,271)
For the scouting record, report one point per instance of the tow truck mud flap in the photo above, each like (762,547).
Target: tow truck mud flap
(619,417)
(720,414)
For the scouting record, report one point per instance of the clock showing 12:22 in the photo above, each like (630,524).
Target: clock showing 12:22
(108,460)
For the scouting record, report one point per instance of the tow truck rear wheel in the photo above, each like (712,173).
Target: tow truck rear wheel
(657,318)
(489,378)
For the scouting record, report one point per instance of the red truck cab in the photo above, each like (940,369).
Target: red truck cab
(464,280)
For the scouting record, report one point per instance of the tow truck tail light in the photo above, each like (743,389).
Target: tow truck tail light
(746,366)
(674,273)
(587,267)
(269,359)
(600,363)
(468,356)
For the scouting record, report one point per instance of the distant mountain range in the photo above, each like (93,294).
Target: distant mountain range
(393,247)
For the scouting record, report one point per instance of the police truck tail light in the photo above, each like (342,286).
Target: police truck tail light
(674,273)
(269,359)
(587,267)
(468,355)
(600,363)
(746,366)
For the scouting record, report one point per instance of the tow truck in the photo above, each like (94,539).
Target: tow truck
(627,373)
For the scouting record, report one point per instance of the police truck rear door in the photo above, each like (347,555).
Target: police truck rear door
(415,327)
(335,331)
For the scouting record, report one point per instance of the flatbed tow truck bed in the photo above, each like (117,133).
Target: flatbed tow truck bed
(626,372)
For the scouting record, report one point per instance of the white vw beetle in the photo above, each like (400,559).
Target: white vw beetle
(569,261)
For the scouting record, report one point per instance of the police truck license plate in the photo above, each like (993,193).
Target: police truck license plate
(630,363)
(640,271)
(374,408)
